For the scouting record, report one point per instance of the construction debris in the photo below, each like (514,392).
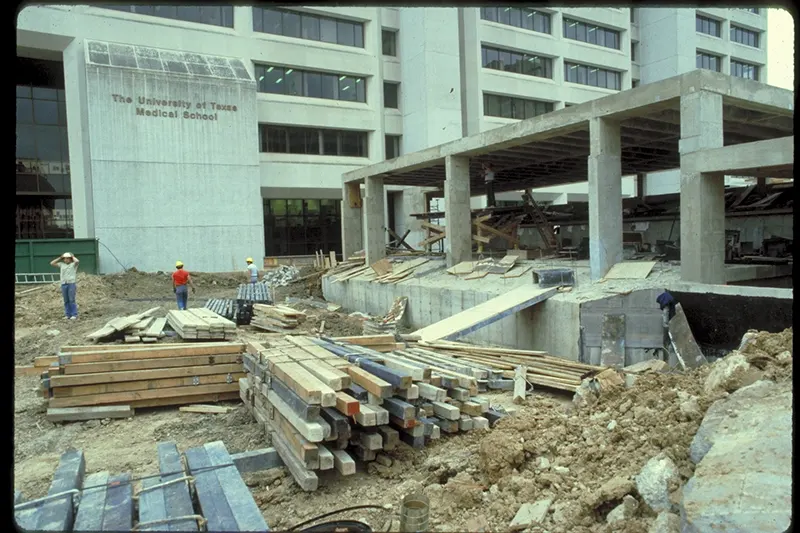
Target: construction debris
(325,403)
(203,324)
(280,276)
(138,325)
(389,322)
(276,318)
(178,374)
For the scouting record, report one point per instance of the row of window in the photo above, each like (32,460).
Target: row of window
(285,80)
(508,61)
(496,105)
(740,69)
(312,141)
(738,34)
(708,26)
(308,26)
(301,227)
(592,76)
(744,36)
(214,15)
(519,17)
(591,33)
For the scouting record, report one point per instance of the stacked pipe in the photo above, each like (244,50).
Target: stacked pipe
(254,292)
(239,311)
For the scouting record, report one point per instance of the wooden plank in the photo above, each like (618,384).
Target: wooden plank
(346,404)
(366,340)
(298,381)
(372,384)
(57,514)
(429,392)
(312,431)
(137,353)
(149,364)
(302,409)
(210,496)
(631,270)
(142,375)
(71,414)
(207,409)
(366,416)
(381,267)
(156,328)
(187,399)
(343,463)
(520,385)
(464,267)
(446,411)
(88,390)
(257,460)
(305,479)
(517,271)
(476,275)
(685,344)
(399,408)
(306,452)
(332,377)
(27,371)
(118,513)
(120,397)
(486,313)
(396,378)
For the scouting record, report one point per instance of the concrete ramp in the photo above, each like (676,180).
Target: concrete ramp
(486,313)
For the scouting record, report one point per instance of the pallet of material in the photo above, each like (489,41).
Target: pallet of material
(179,374)
(276,318)
(328,402)
(104,502)
(201,324)
(134,325)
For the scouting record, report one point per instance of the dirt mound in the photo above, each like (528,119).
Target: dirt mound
(46,303)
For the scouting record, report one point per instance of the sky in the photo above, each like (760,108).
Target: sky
(780,48)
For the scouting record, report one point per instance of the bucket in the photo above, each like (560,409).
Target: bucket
(414,513)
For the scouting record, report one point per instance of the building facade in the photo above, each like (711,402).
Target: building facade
(209,134)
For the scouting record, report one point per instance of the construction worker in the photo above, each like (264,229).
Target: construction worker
(252,270)
(180,278)
(488,179)
(68,264)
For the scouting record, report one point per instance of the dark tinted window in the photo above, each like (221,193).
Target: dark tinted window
(521,63)
(286,80)
(212,15)
(708,61)
(525,17)
(390,95)
(308,26)
(495,105)
(591,33)
(744,70)
(744,36)
(312,141)
(708,26)
(389,43)
(592,76)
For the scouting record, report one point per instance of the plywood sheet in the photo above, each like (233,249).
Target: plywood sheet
(631,270)
(486,313)
(683,340)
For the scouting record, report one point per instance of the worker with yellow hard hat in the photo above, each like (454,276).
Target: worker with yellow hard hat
(180,279)
(252,271)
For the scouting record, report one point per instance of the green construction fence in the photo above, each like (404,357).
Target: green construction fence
(33,256)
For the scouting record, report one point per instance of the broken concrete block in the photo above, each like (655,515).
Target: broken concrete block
(654,480)
(625,510)
(630,380)
(562,470)
(612,425)
(666,522)
(731,373)
(585,395)
(530,514)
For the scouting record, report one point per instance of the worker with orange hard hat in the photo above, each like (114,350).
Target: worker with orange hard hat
(180,279)
(252,271)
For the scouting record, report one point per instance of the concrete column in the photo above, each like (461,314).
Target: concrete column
(702,196)
(458,244)
(352,224)
(605,197)
(374,210)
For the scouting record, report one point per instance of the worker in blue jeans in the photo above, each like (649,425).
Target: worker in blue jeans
(180,279)
(68,264)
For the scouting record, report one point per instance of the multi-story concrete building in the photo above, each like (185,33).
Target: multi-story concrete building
(168,131)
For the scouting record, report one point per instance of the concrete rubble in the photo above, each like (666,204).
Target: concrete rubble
(655,482)
(281,276)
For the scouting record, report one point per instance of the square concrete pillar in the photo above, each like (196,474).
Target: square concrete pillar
(374,210)
(605,197)
(702,196)
(458,244)
(352,220)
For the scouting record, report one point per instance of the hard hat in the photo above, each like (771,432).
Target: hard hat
(67,255)
(179,263)
(249,259)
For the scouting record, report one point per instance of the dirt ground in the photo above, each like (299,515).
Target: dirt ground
(549,449)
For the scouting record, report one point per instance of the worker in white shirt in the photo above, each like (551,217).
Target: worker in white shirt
(488,179)
(68,264)
(252,270)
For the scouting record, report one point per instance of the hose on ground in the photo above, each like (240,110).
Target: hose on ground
(331,513)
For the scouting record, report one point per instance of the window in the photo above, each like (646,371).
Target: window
(307,26)
(591,33)
(391,97)
(286,80)
(634,50)
(745,37)
(521,63)
(392,146)
(753,10)
(520,17)
(744,70)
(496,105)
(389,43)
(708,61)
(592,76)
(213,15)
(634,83)
(633,15)
(312,141)
(708,26)
(302,227)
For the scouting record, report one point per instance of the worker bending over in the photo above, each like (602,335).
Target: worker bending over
(68,264)
(252,270)
(180,278)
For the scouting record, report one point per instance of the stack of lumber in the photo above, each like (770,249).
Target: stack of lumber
(542,369)
(386,272)
(134,328)
(326,403)
(201,324)
(387,324)
(146,376)
(380,343)
(276,318)
(105,502)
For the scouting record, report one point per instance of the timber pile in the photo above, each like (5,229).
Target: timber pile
(387,324)
(542,369)
(104,502)
(326,403)
(114,375)
(276,318)
(379,343)
(201,324)
(384,270)
(134,328)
